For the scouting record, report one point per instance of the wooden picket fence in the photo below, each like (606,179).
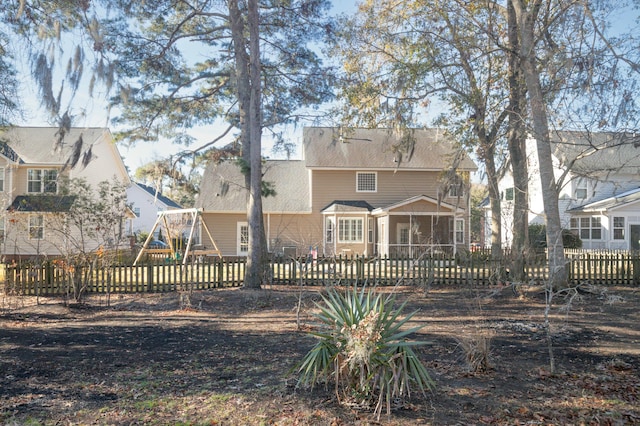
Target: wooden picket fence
(478,268)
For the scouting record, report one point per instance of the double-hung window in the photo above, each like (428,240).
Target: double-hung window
(350,230)
(243,238)
(366,182)
(581,190)
(1,179)
(329,230)
(42,181)
(36,226)
(618,228)
(459,231)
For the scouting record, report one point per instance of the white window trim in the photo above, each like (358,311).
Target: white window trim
(330,222)
(578,228)
(240,225)
(457,231)
(614,228)
(42,181)
(581,185)
(29,227)
(352,220)
(375,181)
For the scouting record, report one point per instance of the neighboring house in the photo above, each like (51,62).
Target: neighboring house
(34,162)
(599,198)
(351,193)
(146,202)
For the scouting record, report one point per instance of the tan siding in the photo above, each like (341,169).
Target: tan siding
(330,185)
(301,231)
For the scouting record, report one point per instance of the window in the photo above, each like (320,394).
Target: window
(370,229)
(136,211)
(581,190)
(366,182)
(618,228)
(403,233)
(36,227)
(459,231)
(243,238)
(329,230)
(456,187)
(2,229)
(1,179)
(508,194)
(350,230)
(587,228)
(39,181)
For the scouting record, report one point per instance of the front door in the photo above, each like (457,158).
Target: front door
(634,237)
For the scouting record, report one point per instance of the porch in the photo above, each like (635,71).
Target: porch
(419,226)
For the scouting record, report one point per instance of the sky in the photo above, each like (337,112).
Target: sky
(93,113)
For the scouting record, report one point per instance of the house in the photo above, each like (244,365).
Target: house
(146,202)
(34,164)
(353,192)
(599,197)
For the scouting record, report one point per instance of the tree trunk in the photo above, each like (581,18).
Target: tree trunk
(249,101)
(516,139)
(257,249)
(526,23)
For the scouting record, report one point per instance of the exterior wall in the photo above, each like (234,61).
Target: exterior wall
(283,231)
(149,208)
(330,185)
(105,166)
(306,231)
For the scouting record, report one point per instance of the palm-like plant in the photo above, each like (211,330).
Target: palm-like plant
(362,346)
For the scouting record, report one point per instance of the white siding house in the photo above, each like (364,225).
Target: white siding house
(599,196)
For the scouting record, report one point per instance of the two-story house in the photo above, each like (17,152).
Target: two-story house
(34,162)
(599,189)
(146,202)
(352,192)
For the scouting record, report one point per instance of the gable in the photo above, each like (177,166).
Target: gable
(151,193)
(419,205)
(42,147)
(377,149)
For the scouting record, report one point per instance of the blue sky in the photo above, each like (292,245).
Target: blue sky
(92,112)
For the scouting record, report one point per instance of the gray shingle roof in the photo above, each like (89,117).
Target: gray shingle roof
(42,203)
(223,189)
(326,147)
(37,145)
(597,152)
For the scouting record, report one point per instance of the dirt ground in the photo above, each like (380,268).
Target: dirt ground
(141,359)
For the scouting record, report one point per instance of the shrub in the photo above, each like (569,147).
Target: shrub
(363,349)
(538,238)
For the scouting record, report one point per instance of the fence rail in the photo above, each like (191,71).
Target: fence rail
(51,278)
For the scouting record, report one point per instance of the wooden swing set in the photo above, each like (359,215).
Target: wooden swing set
(174,222)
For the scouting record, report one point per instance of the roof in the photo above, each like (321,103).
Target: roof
(42,203)
(598,152)
(417,198)
(610,203)
(342,206)
(334,148)
(42,145)
(223,187)
(154,193)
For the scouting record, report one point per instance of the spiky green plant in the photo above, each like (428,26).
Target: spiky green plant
(363,347)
